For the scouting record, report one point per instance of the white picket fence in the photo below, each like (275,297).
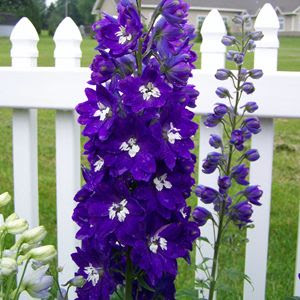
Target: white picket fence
(26,88)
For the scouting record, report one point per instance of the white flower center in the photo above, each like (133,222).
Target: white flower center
(161,182)
(157,242)
(93,274)
(173,134)
(131,147)
(98,164)
(123,35)
(149,91)
(183,213)
(102,112)
(119,210)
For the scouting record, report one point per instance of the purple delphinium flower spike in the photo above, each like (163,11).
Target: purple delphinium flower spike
(132,212)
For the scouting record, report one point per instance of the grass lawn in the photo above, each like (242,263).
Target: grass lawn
(285,191)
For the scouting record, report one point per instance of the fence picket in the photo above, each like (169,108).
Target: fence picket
(24,55)
(261,172)
(213,57)
(67,56)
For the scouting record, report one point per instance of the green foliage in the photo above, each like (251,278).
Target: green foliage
(58,13)
(32,9)
(85,9)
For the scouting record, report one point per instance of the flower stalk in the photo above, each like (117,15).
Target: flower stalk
(229,207)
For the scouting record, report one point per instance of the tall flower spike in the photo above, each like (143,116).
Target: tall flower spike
(132,211)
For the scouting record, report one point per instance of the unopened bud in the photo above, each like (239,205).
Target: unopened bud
(4,199)
(78,281)
(43,253)
(35,235)
(7,266)
(16,226)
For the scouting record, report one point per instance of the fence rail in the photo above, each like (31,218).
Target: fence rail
(62,87)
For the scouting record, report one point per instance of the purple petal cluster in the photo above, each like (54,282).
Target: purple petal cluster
(139,139)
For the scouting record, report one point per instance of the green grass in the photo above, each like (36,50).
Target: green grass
(285,190)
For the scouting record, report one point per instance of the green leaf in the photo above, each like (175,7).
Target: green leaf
(191,294)
(145,285)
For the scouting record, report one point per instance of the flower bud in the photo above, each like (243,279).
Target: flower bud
(252,155)
(256,35)
(11,217)
(35,235)
(250,107)
(256,73)
(228,40)
(222,92)
(238,58)
(4,199)
(215,141)
(253,125)
(206,194)
(253,193)
(223,74)
(8,266)
(201,215)
(16,226)
(220,109)
(230,55)
(248,88)
(251,45)
(43,253)
(78,281)
(224,183)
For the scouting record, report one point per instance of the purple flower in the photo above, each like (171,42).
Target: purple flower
(148,91)
(103,68)
(248,88)
(252,155)
(206,194)
(250,107)
(241,213)
(256,74)
(228,40)
(243,74)
(253,125)
(201,215)
(223,74)
(223,92)
(239,173)
(253,194)
(97,113)
(237,139)
(215,141)
(211,162)
(212,120)
(224,183)
(119,35)
(175,11)
(177,69)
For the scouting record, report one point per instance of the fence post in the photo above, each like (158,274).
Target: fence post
(67,55)
(24,55)
(213,57)
(266,56)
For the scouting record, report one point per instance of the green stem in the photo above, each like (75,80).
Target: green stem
(128,277)
(16,293)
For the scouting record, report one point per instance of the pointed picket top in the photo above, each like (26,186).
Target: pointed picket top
(67,30)
(213,29)
(267,21)
(67,40)
(24,39)
(213,23)
(24,30)
(267,18)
